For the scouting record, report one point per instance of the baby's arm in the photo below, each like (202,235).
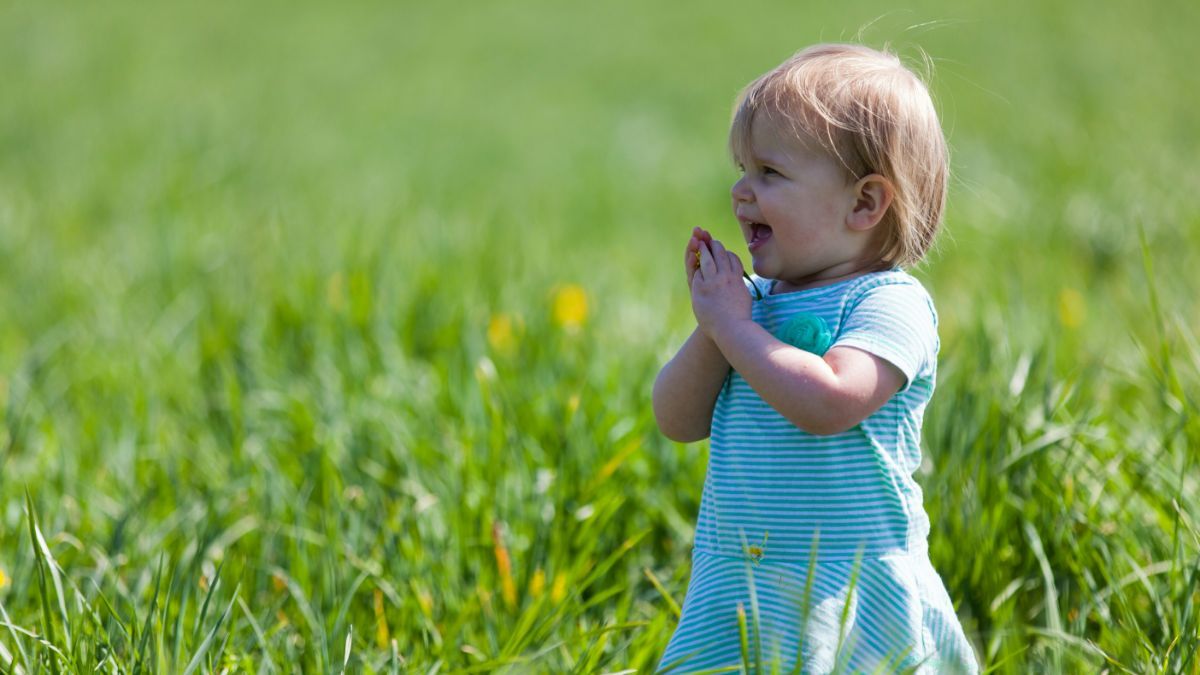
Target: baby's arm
(687,386)
(819,395)
(686,389)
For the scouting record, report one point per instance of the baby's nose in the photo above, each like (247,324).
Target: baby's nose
(741,191)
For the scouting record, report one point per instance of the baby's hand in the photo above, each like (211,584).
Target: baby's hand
(718,292)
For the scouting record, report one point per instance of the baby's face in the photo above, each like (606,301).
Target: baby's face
(792,203)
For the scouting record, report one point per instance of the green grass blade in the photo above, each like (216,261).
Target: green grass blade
(847,605)
(144,636)
(743,637)
(198,658)
(20,645)
(671,604)
(185,596)
(347,599)
(306,610)
(806,600)
(6,659)
(212,587)
(755,618)
(349,644)
(1053,618)
(40,563)
(265,650)
(56,578)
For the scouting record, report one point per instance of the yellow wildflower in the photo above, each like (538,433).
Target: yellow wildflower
(425,601)
(504,565)
(381,624)
(3,578)
(501,333)
(570,307)
(1072,309)
(537,585)
(559,591)
(756,551)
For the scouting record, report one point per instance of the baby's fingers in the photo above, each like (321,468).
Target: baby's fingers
(691,258)
(720,255)
(735,263)
(708,265)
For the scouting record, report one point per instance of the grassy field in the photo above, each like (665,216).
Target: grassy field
(328,334)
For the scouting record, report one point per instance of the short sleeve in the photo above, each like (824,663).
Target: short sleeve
(895,322)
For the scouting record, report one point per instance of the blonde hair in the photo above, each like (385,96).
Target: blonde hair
(872,114)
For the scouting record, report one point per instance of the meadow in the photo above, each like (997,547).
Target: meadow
(329,331)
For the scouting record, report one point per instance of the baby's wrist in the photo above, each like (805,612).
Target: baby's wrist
(723,331)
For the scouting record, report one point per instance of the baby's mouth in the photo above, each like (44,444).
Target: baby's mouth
(759,234)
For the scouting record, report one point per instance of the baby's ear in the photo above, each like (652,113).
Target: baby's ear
(873,195)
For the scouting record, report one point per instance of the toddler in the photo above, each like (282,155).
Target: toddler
(812,377)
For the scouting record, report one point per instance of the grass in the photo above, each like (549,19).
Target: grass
(255,419)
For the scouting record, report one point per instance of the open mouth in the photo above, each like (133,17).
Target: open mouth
(759,234)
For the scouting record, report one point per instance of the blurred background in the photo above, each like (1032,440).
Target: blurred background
(329,331)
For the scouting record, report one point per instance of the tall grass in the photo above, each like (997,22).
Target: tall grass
(295,374)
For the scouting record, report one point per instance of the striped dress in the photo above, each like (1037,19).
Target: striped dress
(821,540)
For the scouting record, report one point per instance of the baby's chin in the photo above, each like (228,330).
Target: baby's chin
(763,268)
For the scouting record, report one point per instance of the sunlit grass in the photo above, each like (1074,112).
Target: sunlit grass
(328,333)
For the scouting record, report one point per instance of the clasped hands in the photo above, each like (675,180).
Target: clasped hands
(715,277)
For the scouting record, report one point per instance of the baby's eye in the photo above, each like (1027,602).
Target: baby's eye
(768,171)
